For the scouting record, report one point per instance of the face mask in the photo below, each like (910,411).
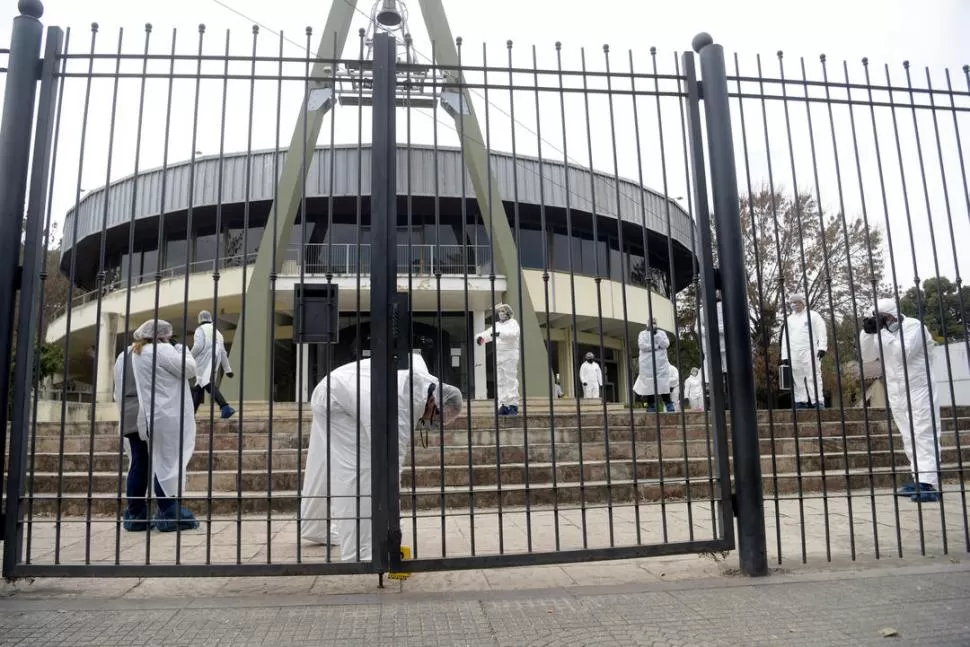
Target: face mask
(589,361)
(503,317)
(893,327)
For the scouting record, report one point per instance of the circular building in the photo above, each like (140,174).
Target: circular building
(594,254)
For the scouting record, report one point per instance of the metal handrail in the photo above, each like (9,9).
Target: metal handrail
(421,260)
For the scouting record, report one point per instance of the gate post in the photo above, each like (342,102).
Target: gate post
(384,310)
(749,506)
(15,129)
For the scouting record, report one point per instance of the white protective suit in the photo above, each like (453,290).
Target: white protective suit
(925,410)
(506,357)
(675,387)
(172,427)
(653,348)
(341,395)
(694,392)
(202,349)
(803,355)
(591,377)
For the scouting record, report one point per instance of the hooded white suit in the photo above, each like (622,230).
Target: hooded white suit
(339,391)
(675,387)
(653,349)
(506,358)
(906,348)
(591,377)
(694,392)
(203,347)
(804,353)
(171,424)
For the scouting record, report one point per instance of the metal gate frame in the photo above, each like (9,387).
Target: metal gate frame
(26,68)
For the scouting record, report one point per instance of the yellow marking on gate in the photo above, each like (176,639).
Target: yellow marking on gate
(405,555)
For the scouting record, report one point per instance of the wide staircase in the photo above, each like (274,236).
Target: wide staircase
(568,454)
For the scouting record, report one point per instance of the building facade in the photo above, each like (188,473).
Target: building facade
(594,255)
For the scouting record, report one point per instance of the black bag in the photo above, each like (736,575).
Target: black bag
(785,380)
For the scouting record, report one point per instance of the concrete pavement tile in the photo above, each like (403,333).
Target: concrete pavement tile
(54,588)
(176,587)
(528,577)
(295,585)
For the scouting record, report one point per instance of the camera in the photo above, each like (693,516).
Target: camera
(870,325)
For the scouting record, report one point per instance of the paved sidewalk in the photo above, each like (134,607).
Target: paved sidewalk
(924,604)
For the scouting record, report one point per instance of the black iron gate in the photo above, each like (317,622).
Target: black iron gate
(582,256)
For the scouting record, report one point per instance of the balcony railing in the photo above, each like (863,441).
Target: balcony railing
(419,260)
(320,259)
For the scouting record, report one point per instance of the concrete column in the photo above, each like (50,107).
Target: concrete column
(107,336)
(567,367)
(481,373)
(565,359)
(304,359)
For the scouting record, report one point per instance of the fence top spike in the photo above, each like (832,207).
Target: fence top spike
(822,57)
(966,69)
(653,50)
(32,8)
(701,41)
(558,45)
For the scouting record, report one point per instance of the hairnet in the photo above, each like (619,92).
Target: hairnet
(590,356)
(450,402)
(153,329)
(507,309)
(205,317)
(797,297)
(886,307)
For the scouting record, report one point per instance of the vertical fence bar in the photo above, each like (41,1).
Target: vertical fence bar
(384,448)
(709,320)
(18,117)
(33,258)
(744,416)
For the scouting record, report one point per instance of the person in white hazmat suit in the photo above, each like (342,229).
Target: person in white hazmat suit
(591,377)
(334,401)
(506,336)
(206,349)
(906,347)
(675,387)
(136,518)
(694,390)
(654,376)
(804,342)
(166,419)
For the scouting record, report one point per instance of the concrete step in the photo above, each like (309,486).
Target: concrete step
(223,439)
(288,422)
(489,497)
(285,457)
(263,480)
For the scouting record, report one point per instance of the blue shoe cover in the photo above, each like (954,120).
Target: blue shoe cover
(513,410)
(227,412)
(926,496)
(912,488)
(136,522)
(670,408)
(168,523)
(503,410)
(651,410)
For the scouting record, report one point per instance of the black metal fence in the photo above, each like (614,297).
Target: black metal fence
(570,186)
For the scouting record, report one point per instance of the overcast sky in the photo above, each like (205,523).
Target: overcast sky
(931,34)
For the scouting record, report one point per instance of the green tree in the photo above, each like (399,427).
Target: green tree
(788,242)
(939,295)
